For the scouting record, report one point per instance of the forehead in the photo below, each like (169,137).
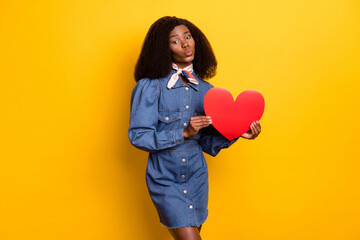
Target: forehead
(179,30)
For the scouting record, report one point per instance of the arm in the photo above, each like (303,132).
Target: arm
(212,141)
(144,117)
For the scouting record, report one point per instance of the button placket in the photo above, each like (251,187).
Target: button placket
(187,95)
(182,169)
(182,164)
(183,172)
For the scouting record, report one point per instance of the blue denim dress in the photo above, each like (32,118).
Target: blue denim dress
(176,174)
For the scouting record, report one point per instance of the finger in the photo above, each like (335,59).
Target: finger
(198,128)
(199,118)
(258,126)
(202,125)
(256,129)
(253,131)
(250,132)
(205,120)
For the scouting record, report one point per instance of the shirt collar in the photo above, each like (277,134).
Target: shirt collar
(180,83)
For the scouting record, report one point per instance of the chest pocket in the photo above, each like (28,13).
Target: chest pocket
(169,119)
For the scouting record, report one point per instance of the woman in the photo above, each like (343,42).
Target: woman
(167,119)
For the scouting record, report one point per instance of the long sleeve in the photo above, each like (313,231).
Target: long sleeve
(144,117)
(212,141)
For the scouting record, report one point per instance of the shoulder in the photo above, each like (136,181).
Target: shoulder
(146,86)
(153,86)
(162,82)
(146,82)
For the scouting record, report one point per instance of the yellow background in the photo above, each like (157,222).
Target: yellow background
(68,171)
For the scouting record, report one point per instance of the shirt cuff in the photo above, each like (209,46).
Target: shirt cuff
(227,143)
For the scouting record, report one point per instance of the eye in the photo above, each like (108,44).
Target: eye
(175,42)
(188,37)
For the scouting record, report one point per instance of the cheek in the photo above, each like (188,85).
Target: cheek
(192,43)
(174,51)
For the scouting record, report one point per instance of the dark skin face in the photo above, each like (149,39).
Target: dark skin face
(182,46)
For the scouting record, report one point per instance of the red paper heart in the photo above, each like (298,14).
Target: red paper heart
(230,118)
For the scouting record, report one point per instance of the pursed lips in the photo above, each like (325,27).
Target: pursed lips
(188,53)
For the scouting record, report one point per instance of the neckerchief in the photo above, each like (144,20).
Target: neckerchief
(186,72)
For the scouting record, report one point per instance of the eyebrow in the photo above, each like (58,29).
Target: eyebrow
(178,35)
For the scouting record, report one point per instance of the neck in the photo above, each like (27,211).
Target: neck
(183,65)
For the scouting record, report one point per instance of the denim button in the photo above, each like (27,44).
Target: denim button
(186,88)
(187,106)
(167,118)
(183,160)
(185,191)
(191,206)
(183,176)
(185,124)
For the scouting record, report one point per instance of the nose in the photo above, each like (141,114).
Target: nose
(185,44)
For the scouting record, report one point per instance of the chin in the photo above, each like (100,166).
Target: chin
(189,60)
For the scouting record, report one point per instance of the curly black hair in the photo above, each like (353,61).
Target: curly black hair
(155,57)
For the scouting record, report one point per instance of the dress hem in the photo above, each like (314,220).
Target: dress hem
(188,225)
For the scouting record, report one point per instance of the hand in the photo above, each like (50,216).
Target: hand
(195,124)
(254,131)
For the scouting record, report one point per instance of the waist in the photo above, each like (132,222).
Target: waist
(187,144)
